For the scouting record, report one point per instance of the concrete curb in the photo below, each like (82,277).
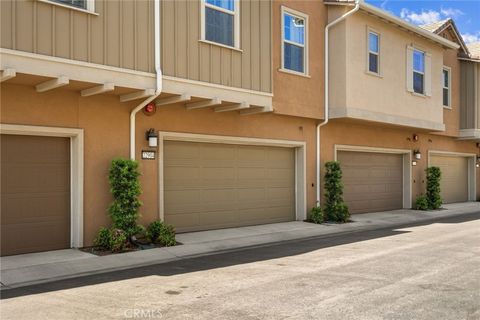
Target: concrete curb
(51,272)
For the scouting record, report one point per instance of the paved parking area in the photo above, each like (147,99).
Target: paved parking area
(423,271)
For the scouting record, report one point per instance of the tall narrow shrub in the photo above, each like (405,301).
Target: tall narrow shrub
(335,208)
(434,199)
(125,188)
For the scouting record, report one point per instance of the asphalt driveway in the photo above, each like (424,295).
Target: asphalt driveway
(427,271)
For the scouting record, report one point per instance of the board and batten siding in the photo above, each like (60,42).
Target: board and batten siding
(120,35)
(468,96)
(184,56)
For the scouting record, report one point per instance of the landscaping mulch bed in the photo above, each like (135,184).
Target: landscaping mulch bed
(131,248)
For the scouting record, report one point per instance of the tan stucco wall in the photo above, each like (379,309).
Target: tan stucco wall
(387,94)
(344,132)
(451,117)
(106,128)
(294,94)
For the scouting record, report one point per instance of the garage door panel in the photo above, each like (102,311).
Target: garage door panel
(454,180)
(269,215)
(372,181)
(35,193)
(238,185)
(34,237)
(38,207)
(245,173)
(36,177)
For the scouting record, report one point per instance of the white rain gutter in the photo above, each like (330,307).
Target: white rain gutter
(326,101)
(158,71)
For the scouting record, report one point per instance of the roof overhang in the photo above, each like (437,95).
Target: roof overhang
(401,23)
(451,24)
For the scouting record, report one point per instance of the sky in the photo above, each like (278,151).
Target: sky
(465,13)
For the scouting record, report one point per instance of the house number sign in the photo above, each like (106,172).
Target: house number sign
(148,155)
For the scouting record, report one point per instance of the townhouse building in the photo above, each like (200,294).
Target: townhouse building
(83,82)
(394,107)
(234,91)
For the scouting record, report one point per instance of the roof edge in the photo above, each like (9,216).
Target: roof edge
(390,17)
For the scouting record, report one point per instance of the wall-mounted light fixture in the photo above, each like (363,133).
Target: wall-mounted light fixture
(152,138)
(415,137)
(414,163)
(417,154)
(477,163)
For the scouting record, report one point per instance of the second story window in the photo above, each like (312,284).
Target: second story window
(446,86)
(221,22)
(373,52)
(75,3)
(294,41)
(418,71)
(88,5)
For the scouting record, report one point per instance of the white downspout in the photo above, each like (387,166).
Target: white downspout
(326,101)
(158,71)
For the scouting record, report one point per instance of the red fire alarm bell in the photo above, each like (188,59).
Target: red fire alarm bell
(149,109)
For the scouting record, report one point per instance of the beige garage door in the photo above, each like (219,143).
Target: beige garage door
(209,185)
(35,194)
(372,181)
(454,182)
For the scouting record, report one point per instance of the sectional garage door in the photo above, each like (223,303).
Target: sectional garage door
(35,193)
(454,182)
(372,181)
(210,185)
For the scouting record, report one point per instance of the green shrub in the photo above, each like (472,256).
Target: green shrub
(335,208)
(161,233)
(125,188)
(316,215)
(112,239)
(118,240)
(433,188)
(421,203)
(103,238)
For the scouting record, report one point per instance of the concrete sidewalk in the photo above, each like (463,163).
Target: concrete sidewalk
(28,269)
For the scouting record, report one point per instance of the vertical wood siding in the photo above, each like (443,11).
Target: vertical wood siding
(183,56)
(468,114)
(120,35)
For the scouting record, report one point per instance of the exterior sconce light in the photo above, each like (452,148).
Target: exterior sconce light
(415,137)
(414,163)
(477,163)
(152,138)
(417,154)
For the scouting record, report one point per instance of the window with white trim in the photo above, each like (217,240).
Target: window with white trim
(446,84)
(221,22)
(373,52)
(80,4)
(294,41)
(418,71)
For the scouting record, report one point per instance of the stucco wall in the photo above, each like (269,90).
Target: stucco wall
(385,94)
(294,94)
(106,127)
(344,132)
(451,117)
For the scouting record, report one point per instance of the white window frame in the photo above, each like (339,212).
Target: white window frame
(419,72)
(301,15)
(369,31)
(90,6)
(449,88)
(236,23)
